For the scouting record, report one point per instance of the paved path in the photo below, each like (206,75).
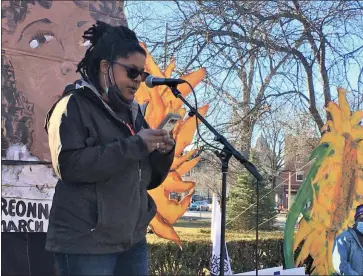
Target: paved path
(198,214)
(207,215)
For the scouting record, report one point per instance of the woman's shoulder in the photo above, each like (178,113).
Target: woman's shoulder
(69,102)
(67,105)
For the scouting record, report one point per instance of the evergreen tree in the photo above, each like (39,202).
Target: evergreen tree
(243,194)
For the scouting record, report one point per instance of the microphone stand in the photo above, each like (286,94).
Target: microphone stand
(227,152)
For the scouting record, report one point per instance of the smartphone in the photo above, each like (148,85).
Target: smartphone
(169,122)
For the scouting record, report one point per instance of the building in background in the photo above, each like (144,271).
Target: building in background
(296,166)
(201,174)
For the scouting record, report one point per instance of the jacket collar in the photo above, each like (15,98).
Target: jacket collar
(355,236)
(134,106)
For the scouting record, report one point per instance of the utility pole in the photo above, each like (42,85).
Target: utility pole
(289,193)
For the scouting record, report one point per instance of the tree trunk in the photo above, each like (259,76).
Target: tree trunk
(246,136)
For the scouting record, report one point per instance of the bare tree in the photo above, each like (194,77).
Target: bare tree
(264,54)
(271,154)
(208,176)
(286,139)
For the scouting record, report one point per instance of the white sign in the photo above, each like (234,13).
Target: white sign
(267,271)
(276,271)
(26,192)
(23,215)
(294,271)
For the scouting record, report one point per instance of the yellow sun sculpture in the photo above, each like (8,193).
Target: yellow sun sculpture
(161,101)
(331,192)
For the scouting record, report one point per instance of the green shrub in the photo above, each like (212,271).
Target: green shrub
(193,259)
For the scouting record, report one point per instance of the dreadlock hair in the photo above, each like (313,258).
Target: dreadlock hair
(107,43)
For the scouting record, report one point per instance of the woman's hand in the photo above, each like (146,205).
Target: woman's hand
(168,143)
(155,139)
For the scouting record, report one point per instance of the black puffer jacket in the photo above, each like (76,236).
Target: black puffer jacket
(101,204)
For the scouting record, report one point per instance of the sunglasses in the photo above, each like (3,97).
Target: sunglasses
(133,73)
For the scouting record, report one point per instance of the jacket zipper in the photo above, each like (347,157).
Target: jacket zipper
(140,172)
(140,179)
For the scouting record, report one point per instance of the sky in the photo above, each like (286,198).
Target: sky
(163,11)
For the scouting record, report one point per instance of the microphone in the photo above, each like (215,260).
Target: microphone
(152,81)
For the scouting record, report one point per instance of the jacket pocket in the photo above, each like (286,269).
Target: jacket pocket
(74,207)
(147,212)
(96,209)
(118,209)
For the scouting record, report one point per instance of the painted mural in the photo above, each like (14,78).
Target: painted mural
(330,193)
(42,44)
(160,101)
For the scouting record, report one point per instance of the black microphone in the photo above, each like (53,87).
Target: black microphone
(152,81)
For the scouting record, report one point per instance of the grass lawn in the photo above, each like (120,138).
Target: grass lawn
(192,224)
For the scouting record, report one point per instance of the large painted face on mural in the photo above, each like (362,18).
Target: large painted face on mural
(41,45)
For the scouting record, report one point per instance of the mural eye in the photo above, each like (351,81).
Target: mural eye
(39,39)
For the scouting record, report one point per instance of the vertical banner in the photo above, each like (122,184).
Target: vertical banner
(216,240)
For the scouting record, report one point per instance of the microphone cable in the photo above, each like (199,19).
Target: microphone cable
(196,119)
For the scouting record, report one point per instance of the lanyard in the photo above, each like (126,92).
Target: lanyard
(129,127)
